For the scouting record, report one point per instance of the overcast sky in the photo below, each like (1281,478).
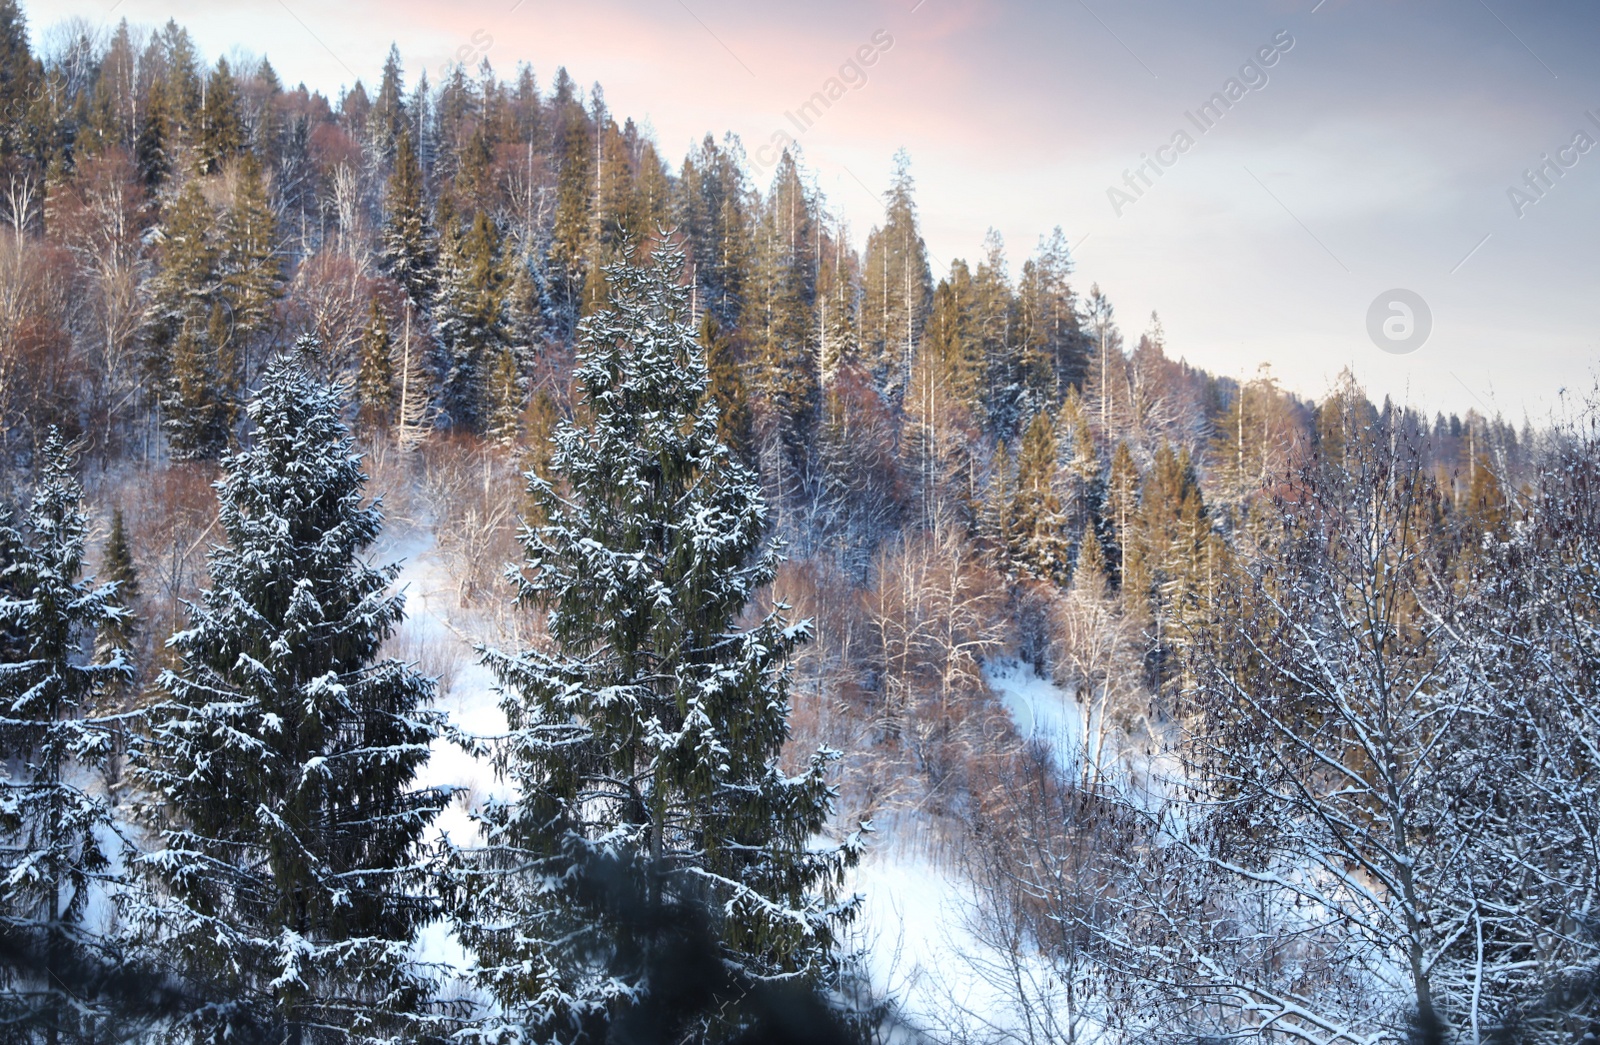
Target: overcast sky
(1378,153)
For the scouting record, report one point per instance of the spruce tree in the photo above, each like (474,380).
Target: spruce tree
(778,310)
(152,149)
(725,386)
(1053,346)
(468,317)
(21,78)
(281,755)
(54,834)
(570,236)
(118,631)
(221,127)
(1038,525)
(185,280)
(387,121)
(953,347)
(375,387)
(409,247)
(644,742)
(198,417)
(504,400)
(250,272)
(897,288)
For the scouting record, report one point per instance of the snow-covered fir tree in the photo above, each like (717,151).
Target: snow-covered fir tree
(645,737)
(287,881)
(56,839)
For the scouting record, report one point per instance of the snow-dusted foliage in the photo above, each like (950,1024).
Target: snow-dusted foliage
(54,829)
(286,881)
(1376,834)
(1537,629)
(645,737)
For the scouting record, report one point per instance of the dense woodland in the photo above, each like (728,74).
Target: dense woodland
(742,507)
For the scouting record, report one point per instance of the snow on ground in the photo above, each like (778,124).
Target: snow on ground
(918,912)
(439,636)
(914,928)
(1041,709)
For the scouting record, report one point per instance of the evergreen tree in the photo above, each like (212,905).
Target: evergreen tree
(1120,513)
(221,127)
(198,416)
(505,399)
(111,121)
(375,389)
(282,755)
(525,302)
(152,149)
(725,387)
(1006,406)
(778,309)
(896,284)
(713,214)
(1172,554)
(54,834)
(644,744)
(185,280)
(409,248)
(995,523)
(248,267)
(119,631)
(953,347)
(178,64)
(571,234)
(1090,574)
(387,122)
(468,319)
(21,78)
(1038,525)
(1053,347)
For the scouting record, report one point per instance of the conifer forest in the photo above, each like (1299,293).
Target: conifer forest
(468,576)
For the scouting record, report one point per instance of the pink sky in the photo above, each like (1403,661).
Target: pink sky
(1377,156)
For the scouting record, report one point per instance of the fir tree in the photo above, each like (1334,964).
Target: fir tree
(779,306)
(53,833)
(282,754)
(725,386)
(198,418)
(713,215)
(409,247)
(646,740)
(21,78)
(896,285)
(387,122)
(1089,573)
(570,233)
(119,631)
(185,280)
(505,398)
(221,128)
(248,267)
(1037,522)
(1120,515)
(375,390)
(953,347)
(994,327)
(152,146)
(469,320)
(1053,347)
